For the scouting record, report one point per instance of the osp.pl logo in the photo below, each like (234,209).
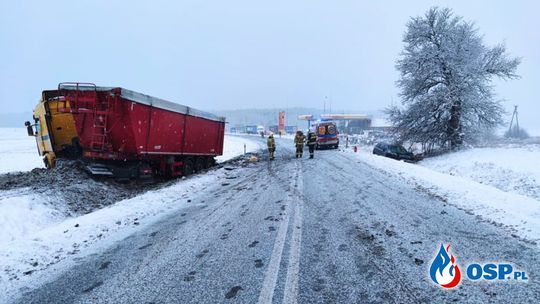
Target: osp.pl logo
(445,272)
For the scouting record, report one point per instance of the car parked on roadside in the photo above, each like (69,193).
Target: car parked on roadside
(394,151)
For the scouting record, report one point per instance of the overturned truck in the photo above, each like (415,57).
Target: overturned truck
(123,133)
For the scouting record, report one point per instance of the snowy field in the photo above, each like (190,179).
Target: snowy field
(18,151)
(498,185)
(511,169)
(36,234)
(234,146)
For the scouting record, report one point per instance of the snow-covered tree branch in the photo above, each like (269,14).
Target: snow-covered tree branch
(446,73)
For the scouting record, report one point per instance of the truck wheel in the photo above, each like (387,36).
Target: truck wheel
(209,162)
(46,162)
(188,167)
(49,160)
(199,164)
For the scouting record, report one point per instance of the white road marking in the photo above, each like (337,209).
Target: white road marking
(270,279)
(290,295)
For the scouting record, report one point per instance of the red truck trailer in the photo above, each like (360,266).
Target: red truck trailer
(127,134)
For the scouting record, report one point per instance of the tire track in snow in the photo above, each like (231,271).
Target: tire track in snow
(293,267)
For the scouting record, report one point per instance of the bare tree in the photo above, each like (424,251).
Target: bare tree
(446,73)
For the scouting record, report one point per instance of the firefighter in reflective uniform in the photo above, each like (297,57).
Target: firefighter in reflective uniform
(270,142)
(311,142)
(299,139)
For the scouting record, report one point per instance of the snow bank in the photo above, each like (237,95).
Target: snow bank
(23,214)
(511,169)
(22,259)
(518,213)
(18,151)
(233,146)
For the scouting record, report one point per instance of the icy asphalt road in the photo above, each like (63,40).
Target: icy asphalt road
(328,230)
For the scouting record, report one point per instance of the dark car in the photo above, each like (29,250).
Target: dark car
(393,151)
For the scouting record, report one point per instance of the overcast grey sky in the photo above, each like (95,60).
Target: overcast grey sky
(243,54)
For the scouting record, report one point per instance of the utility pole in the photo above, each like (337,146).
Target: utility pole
(517,120)
(515,114)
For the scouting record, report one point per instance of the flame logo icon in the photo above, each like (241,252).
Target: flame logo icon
(444,271)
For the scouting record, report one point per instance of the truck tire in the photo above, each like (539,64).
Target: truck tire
(209,162)
(199,164)
(188,167)
(46,162)
(49,160)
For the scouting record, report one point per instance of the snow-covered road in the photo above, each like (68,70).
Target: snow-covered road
(335,229)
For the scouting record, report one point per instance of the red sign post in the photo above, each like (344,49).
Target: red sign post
(281,124)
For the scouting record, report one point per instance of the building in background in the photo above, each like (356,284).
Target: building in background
(251,129)
(346,123)
(291,129)
(274,129)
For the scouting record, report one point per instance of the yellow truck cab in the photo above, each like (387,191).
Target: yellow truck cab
(54,128)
